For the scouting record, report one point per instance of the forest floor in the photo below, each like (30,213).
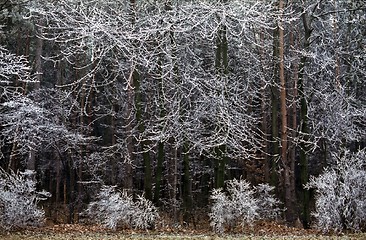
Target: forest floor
(263,230)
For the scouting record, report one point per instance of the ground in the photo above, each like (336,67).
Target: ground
(263,230)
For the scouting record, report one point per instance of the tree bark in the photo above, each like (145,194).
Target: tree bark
(159,172)
(173,181)
(31,163)
(304,178)
(288,165)
(140,120)
(161,154)
(143,143)
(129,131)
(187,186)
(221,67)
(274,143)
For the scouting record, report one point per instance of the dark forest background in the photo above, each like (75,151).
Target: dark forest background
(173,98)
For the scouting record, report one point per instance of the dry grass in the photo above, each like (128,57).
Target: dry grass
(116,236)
(262,230)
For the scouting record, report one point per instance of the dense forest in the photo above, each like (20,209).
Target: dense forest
(172,99)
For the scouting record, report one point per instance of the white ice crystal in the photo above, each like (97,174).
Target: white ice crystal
(242,204)
(114,208)
(340,193)
(19,199)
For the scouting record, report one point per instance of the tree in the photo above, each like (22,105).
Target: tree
(242,203)
(288,164)
(19,200)
(177,96)
(340,198)
(13,68)
(113,208)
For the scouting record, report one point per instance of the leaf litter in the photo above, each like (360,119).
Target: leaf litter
(260,230)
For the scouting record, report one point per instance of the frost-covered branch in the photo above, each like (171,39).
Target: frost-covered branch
(340,193)
(13,67)
(173,52)
(242,203)
(113,209)
(19,199)
(33,127)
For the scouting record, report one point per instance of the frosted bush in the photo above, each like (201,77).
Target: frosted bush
(145,213)
(340,194)
(268,205)
(110,208)
(242,204)
(220,210)
(19,199)
(114,208)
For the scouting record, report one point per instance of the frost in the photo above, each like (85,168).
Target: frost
(32,126)
(13,66)
(144,214)
(268,205)
(19,199)
(340,193)
(113,208)
(242,203)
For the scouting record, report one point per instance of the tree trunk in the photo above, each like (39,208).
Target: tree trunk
(264,129)
(129,131)
(221,67)
(161,155)
(159,172)
(220,166)
(295,74)
(130,117)
(173,172)
(38,59)
(187,187)
(31,163)
(71,192)
(139,119)
(304,178)
(58,187)
(112,169)
(143,143)
(274,144)
(289,166)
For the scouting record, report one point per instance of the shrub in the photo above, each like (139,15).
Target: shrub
(114,208)
(19,199)
(340,193)
(220,210)
(242,203)
(268,205)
